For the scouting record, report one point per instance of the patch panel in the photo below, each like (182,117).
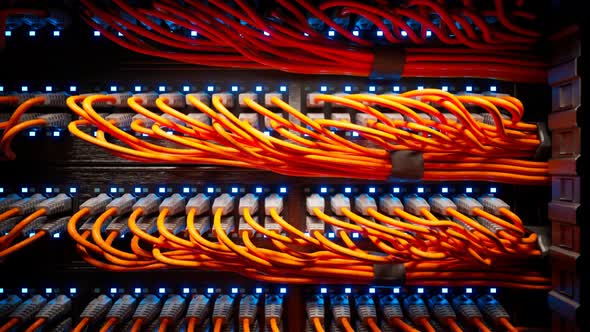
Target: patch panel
(176,128)
(239,213)
(246,305)
(57,128)
(254,88)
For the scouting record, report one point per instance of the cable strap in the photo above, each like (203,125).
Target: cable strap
(544,149)
(388,63)
(390,273)
(406,165)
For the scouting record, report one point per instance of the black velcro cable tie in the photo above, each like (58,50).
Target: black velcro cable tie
(406,165)
(390,273)
(388,63)
(544,149)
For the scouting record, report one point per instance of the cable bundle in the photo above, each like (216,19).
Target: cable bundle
(29,215)
(419,20)
(288,37)
(455,146)
(18,121)
(428,247)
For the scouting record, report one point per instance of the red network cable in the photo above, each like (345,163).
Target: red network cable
(236,35)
